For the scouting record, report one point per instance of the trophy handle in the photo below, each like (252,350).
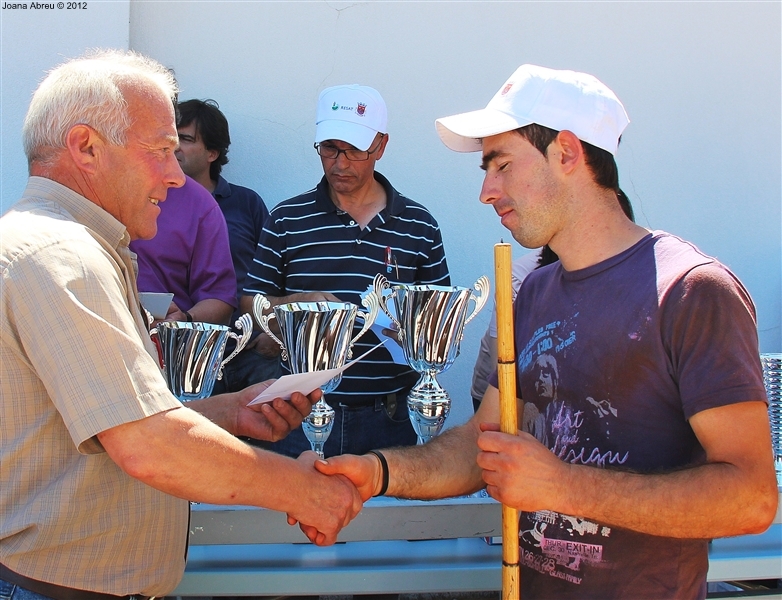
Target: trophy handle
(372,302)
(245,324)
(481,288)
(379,284)
(155,337)
(260,304)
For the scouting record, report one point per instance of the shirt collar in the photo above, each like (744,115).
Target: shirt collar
(80,208)
(222,189)
(394,202)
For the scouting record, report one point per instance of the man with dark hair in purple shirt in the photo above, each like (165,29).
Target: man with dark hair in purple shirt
(189,257)
(204,139)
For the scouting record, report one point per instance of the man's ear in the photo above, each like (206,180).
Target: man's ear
(382,148)
(571,152)
(84,147)
(212,155)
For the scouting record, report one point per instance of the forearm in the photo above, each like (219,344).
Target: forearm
(733,492)
(441,468)
(212,310)
(711,500)
(182,454)
(445,466)
(220,410)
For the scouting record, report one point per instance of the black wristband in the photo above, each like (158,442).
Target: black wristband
(384,467)
(189,317)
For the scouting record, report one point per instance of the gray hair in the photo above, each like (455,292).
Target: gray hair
(89,91)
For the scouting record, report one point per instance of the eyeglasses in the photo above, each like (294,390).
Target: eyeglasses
(332,152)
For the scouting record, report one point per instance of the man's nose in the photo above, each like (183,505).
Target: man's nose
(342,161)
(489,189)
(174,176)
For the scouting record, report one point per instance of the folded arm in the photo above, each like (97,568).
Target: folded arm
(210,310)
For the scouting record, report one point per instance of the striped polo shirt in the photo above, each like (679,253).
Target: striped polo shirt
(308,245)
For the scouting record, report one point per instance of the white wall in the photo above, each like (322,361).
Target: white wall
(31,43)
(701,82)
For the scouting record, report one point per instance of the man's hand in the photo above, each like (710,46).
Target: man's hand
(339,503)
(264,345)
(271,421)
(173,314)
(392,332)
(519,471)
(365,472)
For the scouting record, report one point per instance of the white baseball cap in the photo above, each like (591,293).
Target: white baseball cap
(350,113)
(560,100)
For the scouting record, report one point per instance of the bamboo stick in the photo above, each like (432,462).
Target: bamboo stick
(506,373)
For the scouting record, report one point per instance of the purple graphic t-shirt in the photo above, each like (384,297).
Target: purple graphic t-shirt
(612,361)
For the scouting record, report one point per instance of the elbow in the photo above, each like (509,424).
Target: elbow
(139,464)
(137,467)
(768,512)
(762,511)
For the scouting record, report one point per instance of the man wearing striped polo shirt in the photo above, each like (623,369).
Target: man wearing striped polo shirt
(330,242)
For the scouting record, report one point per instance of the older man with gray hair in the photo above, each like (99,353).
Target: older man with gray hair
(98,458)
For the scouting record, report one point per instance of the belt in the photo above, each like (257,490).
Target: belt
(377,401)
(59,592)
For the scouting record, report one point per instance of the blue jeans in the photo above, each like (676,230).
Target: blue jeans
(357,430)
(10,591)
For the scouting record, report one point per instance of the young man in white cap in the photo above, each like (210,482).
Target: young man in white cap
(638,352)
(330,243)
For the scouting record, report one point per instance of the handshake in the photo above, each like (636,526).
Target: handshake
(338,488)
(321,496)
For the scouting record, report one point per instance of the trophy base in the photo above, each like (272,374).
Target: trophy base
(428,405)
(317,426)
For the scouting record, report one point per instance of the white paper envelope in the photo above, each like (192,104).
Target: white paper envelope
(302,382)
(157,304)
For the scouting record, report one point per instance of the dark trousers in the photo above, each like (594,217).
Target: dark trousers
(357,430)
(9,591)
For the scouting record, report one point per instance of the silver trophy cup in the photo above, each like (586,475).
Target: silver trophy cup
(192,354)
(772,379)
(316,336)
(430,320)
